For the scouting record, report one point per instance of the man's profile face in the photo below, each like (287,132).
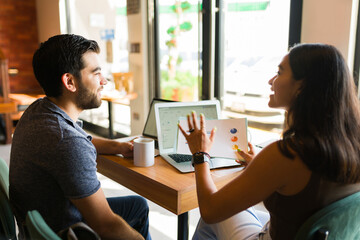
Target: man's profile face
(90,85)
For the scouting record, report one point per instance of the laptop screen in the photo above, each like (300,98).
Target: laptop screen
(150,124)
(168,115)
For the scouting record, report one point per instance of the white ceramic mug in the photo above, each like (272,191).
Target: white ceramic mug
(144,152)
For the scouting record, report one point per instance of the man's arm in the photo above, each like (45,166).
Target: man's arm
(99,216)
(109,146)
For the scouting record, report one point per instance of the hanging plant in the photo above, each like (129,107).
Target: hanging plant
(174,32)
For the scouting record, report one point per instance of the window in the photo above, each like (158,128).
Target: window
(253,48)
(357,55)
(179,26)
(239,51)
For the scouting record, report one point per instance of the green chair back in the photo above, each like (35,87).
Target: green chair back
(37,227)
(4,177)
(7,230)
(339,220)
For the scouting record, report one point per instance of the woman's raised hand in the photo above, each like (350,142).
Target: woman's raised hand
(247,156)
(196,136)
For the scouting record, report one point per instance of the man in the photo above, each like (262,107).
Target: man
(53,161)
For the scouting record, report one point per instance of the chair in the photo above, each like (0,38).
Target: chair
(4,177)
(7,230)
(39,230)
(339,220)
(37,227)
(6,106)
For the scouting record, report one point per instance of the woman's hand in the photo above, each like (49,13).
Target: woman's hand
(197,138)
(246,156)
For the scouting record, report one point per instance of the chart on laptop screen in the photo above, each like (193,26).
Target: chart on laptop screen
(169,117)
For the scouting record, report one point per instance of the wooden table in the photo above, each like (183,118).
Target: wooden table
(162,184)
(24,100)
(114,97)
(7,108)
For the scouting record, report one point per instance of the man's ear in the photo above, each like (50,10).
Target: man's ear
(68,81)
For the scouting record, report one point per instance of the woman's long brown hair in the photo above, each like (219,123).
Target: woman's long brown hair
(324,119)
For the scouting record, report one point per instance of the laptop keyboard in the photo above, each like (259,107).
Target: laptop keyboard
(179,158)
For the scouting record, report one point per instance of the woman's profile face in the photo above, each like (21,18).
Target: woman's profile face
(284,86)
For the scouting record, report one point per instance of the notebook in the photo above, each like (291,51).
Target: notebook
(167,116)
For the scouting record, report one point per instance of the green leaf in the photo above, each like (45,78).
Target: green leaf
(170,43)
(171,30)
(186,26)
(185,5)
(179,61)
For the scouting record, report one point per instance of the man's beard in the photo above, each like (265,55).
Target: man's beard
(85,98)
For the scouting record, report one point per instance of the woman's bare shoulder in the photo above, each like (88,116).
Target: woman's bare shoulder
(293,171)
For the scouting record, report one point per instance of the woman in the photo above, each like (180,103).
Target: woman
(314,164)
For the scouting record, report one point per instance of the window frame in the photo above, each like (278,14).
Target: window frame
(296,8)
(356,67)
(212,64)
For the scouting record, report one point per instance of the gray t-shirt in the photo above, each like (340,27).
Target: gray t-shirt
(52,160)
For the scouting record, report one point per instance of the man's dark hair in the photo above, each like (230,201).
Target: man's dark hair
(59,55)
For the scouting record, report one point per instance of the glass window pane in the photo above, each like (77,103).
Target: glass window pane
(256,39)
(179,44)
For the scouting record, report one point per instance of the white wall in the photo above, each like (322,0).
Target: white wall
(82,10)
(329,21)
(138,64)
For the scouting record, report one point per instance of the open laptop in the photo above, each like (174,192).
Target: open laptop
(150,124)
(149,130)
(167,116)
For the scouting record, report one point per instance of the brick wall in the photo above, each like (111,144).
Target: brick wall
(18,42)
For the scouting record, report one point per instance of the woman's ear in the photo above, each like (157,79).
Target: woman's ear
(299,86)
(68,81)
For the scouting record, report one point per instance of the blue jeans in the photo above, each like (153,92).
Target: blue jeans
(134,210)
